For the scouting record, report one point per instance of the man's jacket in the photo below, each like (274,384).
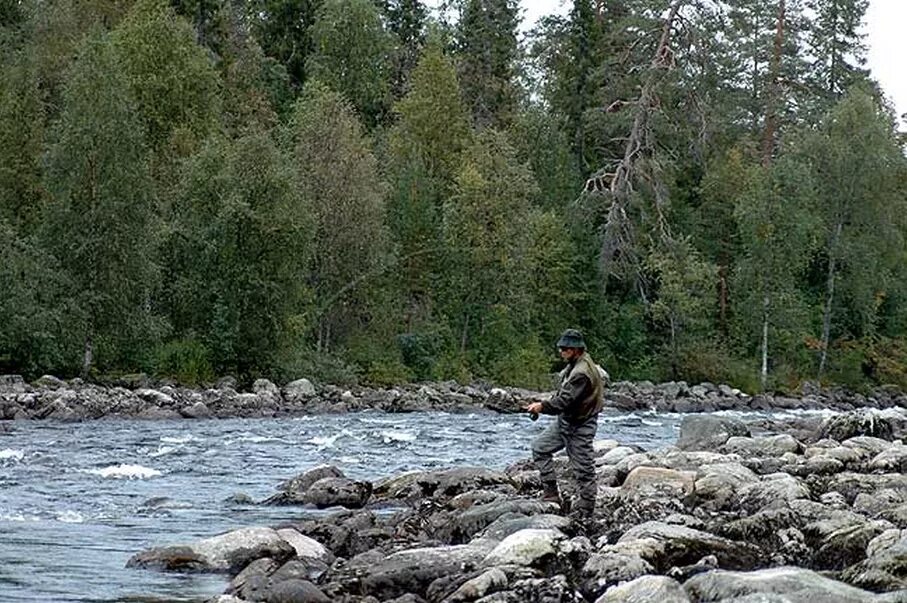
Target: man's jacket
(581,392)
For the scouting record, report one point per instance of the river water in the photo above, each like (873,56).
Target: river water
(77,500)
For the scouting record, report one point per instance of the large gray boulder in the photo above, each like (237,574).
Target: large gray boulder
(410,570)
(529,547)
(228,552)
(793,583)
(646,589)
(708,432)
(675,545)
(718,485)
(885,566)
(293,490)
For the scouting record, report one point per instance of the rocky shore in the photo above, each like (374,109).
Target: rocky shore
(74,400)
(733,513)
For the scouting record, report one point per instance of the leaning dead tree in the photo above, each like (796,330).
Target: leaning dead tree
(619,182)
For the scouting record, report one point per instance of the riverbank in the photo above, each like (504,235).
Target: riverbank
(75,400)
(730,514)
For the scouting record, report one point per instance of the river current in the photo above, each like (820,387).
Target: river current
(77,500)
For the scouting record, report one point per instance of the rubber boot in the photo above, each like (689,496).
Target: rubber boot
(550,493)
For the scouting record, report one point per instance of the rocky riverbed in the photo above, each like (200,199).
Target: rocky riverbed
(733,513)
(139,397)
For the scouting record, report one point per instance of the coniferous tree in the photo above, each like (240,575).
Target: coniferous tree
(352,55)
(487,53)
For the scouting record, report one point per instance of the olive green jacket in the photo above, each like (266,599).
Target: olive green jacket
(581,392)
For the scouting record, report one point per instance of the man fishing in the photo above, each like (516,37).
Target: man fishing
(578,401)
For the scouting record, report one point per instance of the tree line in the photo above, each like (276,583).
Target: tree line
(367,190)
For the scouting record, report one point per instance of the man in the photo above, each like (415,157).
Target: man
(578,401)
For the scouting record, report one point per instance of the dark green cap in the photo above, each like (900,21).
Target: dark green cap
(571,338)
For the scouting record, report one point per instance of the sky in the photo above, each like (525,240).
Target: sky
(885,38)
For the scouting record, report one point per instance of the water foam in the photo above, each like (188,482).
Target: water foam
(161,451)
(394,435)
(11,454)
(70,517)
(126,471)
(178,439)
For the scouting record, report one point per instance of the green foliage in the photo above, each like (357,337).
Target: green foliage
(200,175)
(185,360)
(338,180)
(170,77)
(102,226)
(33,336)
(487,53)
(282,28)
(240,245)
(351,55)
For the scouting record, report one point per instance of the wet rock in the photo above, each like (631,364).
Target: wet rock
(409,571)
(473,520)
(708,432)
(338,492)
(441,483)
(646,589)
(296,591)
(199,410)
(228,552)
(886,424)
(293,490)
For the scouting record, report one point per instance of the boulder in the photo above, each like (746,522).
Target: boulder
(225,553)
(490,581)
(718,485)
(646,589)
(656,479)
(530,547)
(296,591)
(338,492)
(293,490)
(762,446)
(795,584)
(299,390)
(611,565)
(771,489)
(410,570)
(885,566)
(708,432)
(673,545)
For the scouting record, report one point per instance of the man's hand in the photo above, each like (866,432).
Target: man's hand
(535,407)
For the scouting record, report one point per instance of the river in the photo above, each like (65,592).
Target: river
(78,499)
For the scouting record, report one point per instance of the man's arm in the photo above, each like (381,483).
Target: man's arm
(576,389)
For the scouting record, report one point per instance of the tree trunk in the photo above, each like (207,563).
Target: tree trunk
(463,334)
(87,356)
(723,298)
(829,296)
(674,371)
(763,375)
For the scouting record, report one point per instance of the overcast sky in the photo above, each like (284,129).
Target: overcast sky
(886,37)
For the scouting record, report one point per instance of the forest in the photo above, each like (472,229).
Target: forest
(380,191)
